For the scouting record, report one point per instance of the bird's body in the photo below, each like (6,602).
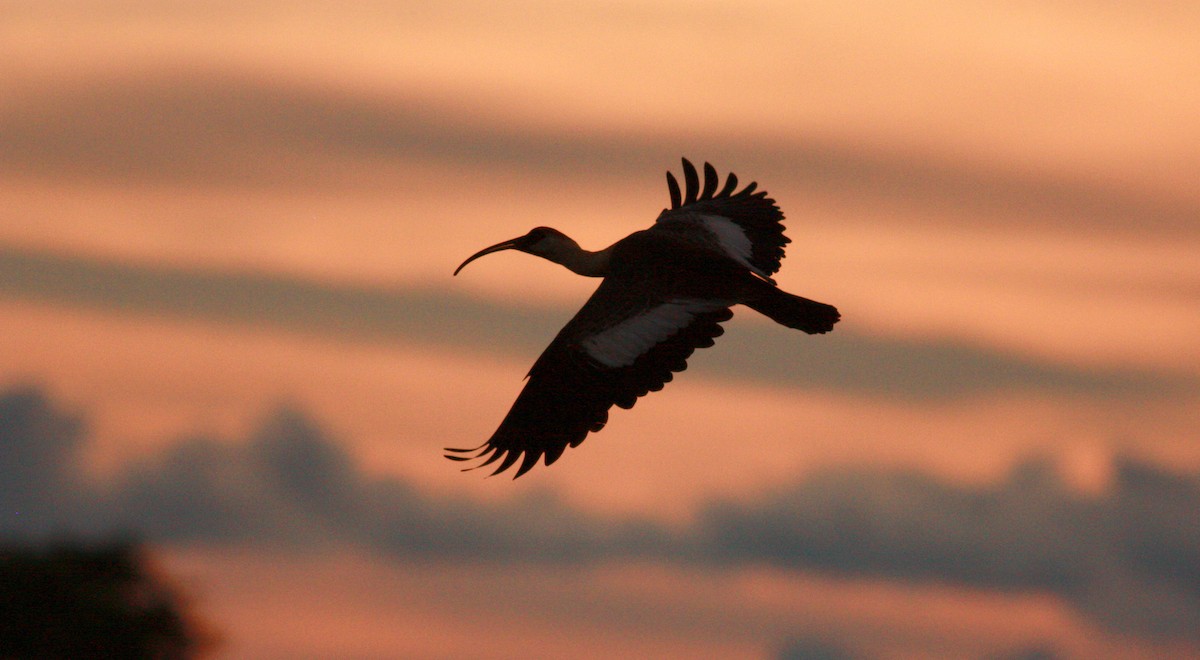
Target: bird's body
(665,292)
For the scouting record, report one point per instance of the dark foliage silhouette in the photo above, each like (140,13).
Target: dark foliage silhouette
(102,601)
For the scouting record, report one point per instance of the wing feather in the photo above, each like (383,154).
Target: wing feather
(673,189)
(711,181)
(755,215)
(730,186)
(569,393)
(691,181)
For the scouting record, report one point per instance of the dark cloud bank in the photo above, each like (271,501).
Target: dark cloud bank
(1128,559)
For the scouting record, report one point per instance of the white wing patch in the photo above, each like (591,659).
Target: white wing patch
(624,342)
(733,240)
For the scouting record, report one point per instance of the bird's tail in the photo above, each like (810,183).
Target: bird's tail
(794,311)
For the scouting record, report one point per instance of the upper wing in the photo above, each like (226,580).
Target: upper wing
(745,225)
(622,344)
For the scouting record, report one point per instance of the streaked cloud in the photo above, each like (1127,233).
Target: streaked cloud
(847,362)
(216,127)
(1125,558)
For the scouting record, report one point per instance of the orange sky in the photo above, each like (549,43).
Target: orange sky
(435,610)
(1001,184)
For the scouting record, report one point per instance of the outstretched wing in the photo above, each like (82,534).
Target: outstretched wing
(745,225)
(623,343)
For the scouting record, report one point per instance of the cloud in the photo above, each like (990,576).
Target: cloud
(1127,559)
(804,648)
(1022,534)
(39,447)
(844,362)
(1123,558)
(1032,652)
(217,127)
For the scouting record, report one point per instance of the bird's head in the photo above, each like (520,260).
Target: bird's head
(543,242)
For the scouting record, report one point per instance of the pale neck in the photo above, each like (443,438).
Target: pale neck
(585,262)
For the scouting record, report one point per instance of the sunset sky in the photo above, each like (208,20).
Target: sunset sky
(227,233)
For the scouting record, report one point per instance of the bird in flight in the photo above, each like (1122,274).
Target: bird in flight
(665,292)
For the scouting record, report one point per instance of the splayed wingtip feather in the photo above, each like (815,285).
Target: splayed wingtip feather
(711,179)
(673,189)
(530,460)
(730,186)
(510,457)
(691,182)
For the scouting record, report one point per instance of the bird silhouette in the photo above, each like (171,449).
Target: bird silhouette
(666,290)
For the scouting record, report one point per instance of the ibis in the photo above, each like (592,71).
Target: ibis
(665,292)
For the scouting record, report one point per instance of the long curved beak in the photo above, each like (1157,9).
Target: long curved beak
(506,245)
